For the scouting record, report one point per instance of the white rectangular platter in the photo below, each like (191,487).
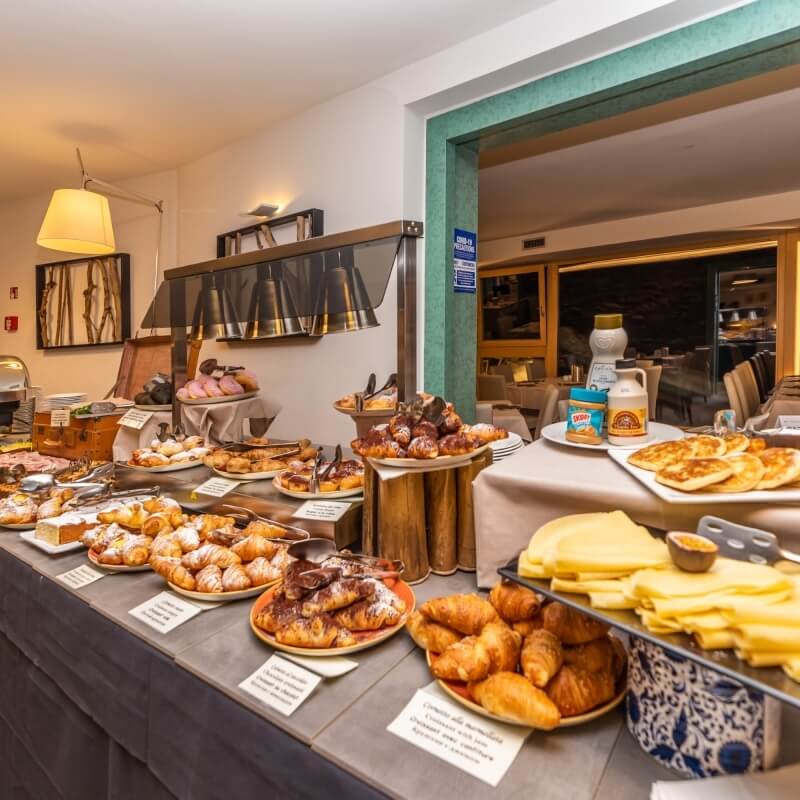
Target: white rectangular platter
(671,495)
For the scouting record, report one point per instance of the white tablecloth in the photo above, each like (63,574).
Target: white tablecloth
(544,481)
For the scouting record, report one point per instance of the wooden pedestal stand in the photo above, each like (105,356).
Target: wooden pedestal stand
(425,519)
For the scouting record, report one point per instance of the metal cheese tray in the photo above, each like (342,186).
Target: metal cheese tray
(769,680)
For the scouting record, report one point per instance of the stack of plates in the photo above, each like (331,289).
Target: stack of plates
(504,448)
(54,402)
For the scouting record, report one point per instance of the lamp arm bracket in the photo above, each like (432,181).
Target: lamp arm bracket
(119,191)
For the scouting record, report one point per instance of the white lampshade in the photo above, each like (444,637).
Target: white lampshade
(77,221)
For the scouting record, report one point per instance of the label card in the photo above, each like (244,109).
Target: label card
(165,612)
(80,576)
(481,747)
(59,418)
(135,418)
(327,510)
(789,421)
(328,667)
(217,487)
(280,684)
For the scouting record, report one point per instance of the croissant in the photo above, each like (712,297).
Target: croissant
(430,635)
(210,554)
(166,546)
(503,645)
(277,614)
(260,571)
(209,579)
(576,691)
(455,445)
(513,602)
(316,633)
(160,522)
(154,505)
(466,613)
(368,615)
(425,428)
(541,657)
(206,523)
(50,508)
(136,551)
(466,660)
(423,447)
(596,656)
(527,626)
(252,547)
(180,576)
(571,626)
(337,595)
(508,694)
(234,579)
(260,527)
(163,565)
(188,538)
(111,556)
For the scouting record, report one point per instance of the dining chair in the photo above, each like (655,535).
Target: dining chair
(548,412)
(760,375)
(653,374)
(733,398)
(491,387)
(535,369)
(749,387)
(506,370)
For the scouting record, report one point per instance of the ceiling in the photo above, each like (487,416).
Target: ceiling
(581,177)
(147,85)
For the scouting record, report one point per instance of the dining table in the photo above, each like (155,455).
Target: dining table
(784,402)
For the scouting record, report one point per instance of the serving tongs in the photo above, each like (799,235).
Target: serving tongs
(243,447)
(43,481)
(743,542)
(318,550)
(370,391)
(244,516)
(313,487)
(98,492)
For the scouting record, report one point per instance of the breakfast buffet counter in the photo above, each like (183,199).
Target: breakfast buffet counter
(156,715)
(544,481)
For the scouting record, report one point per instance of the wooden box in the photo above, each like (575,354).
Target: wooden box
(93,437)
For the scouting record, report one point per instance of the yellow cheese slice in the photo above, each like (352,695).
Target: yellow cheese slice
(599,576)
(553,530)
(715,640)
(657,623)
(611,600)
(792,669)
(767,658)
(727,575)
(584,587)
(751,636)
(529,570)
(708,621)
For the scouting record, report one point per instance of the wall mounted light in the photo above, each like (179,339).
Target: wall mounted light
(263,210)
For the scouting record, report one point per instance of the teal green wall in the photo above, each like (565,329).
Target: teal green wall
(751,40)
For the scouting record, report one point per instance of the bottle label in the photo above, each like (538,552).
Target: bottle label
(602,376)
(627,422)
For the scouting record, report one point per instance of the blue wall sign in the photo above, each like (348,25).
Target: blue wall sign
(465,260)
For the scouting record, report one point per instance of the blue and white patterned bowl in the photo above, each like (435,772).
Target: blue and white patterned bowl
(696,721)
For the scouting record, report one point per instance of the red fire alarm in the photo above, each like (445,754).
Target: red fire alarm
(12,323)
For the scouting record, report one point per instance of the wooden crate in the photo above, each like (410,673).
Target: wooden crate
(93,438)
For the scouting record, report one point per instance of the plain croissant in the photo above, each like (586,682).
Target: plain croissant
(466,613)
(430,635)
(571,626)
(503,645)
(467,660)
(508,694)
(576,691)
(513,602)
(541,657)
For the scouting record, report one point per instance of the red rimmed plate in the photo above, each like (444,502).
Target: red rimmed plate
(364,639)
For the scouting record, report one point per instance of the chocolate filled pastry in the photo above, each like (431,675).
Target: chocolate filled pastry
(455,445)
(451,423)
(425,428)
(337,595)
(371,614)
(277,614)
(319,632)
(423,447)
(400,429)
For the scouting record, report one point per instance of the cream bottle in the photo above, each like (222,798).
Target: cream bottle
(608,341)
(627,405)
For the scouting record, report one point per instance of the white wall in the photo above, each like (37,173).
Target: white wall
(90,370)
(360,157)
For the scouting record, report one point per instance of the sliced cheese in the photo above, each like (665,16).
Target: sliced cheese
(727,575)
(715,640)
(584,587)
(792,669)
(553,530)
(611,600)
(775,638)
(708,621)
(767,658)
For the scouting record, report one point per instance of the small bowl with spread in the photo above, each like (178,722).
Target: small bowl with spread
(691,552)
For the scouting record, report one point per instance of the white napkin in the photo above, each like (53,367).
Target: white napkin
(775,785)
